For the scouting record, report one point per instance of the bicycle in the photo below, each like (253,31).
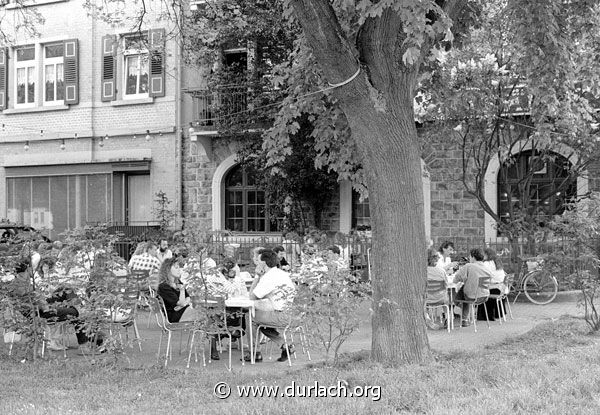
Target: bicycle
(537,284)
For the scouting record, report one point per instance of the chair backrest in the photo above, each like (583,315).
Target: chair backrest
(160,311)
(483,284)
(435,286)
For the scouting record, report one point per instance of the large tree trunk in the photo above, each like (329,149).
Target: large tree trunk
(378,104)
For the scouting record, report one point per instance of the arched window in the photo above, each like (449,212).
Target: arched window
(246,206)
(540,184)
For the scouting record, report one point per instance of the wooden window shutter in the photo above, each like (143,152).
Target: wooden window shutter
(71,71)
(3,78)
(156,39)
(109,68)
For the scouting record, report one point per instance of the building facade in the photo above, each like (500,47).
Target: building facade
(90,120)
(97,118)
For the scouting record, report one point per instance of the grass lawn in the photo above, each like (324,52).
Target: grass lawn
(555,368)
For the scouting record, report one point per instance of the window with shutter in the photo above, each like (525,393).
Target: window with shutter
(71,72)
(109,68)
(135,66)
(3,78)
(53,71)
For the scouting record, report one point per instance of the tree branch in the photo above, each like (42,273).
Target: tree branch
(326,38)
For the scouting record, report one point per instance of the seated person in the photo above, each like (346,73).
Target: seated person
(273,294)
(434,273)
(497,287)
(445,261)
(259,266)
(228,283)
(172,291)
(192,266)
(139,250)
(283,264)
(470,274)
(178,304)
(334,256)
(147,261)
(59,302)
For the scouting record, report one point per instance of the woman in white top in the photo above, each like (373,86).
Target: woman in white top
(494,264)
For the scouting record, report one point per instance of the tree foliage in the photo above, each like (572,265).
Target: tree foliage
(519,81)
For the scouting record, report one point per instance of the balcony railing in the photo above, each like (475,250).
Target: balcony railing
(212,106)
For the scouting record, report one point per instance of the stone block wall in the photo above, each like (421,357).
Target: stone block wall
(455,215)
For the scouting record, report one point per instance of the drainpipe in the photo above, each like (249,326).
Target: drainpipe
(178,131)
(93,78)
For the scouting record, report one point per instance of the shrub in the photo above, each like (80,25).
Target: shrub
(579,223)
(327,301)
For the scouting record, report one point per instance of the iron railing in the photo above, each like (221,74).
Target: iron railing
(210,106)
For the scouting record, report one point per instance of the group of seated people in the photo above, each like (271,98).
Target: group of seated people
(272,293)
(65,278)
(482,263)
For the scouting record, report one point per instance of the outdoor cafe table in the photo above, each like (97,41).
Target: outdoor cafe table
(245,303)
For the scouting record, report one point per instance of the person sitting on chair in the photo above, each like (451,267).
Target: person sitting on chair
(470,274)
(59,303)
(435,275)
(445,261)
(178,304)
(494,264)
(273,294)
(280,251)
(226,282)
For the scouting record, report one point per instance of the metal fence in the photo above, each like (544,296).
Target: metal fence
(513,253)
(240,247)
(355,250)
(210,105)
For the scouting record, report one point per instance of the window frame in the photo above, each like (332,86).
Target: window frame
(26,65)
(507,192)
(246,189)
(131,52)
(362,205)
(59,60)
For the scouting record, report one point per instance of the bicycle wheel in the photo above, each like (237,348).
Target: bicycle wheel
(540,287)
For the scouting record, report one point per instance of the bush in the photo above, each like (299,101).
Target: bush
(579,260)
(327,301)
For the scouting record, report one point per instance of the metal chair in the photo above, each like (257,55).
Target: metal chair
(290,329)
(167,327)
(483,284)
(503,298)
(126,308)
(62,327)
(433,289)
(212,322)
(140,279)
